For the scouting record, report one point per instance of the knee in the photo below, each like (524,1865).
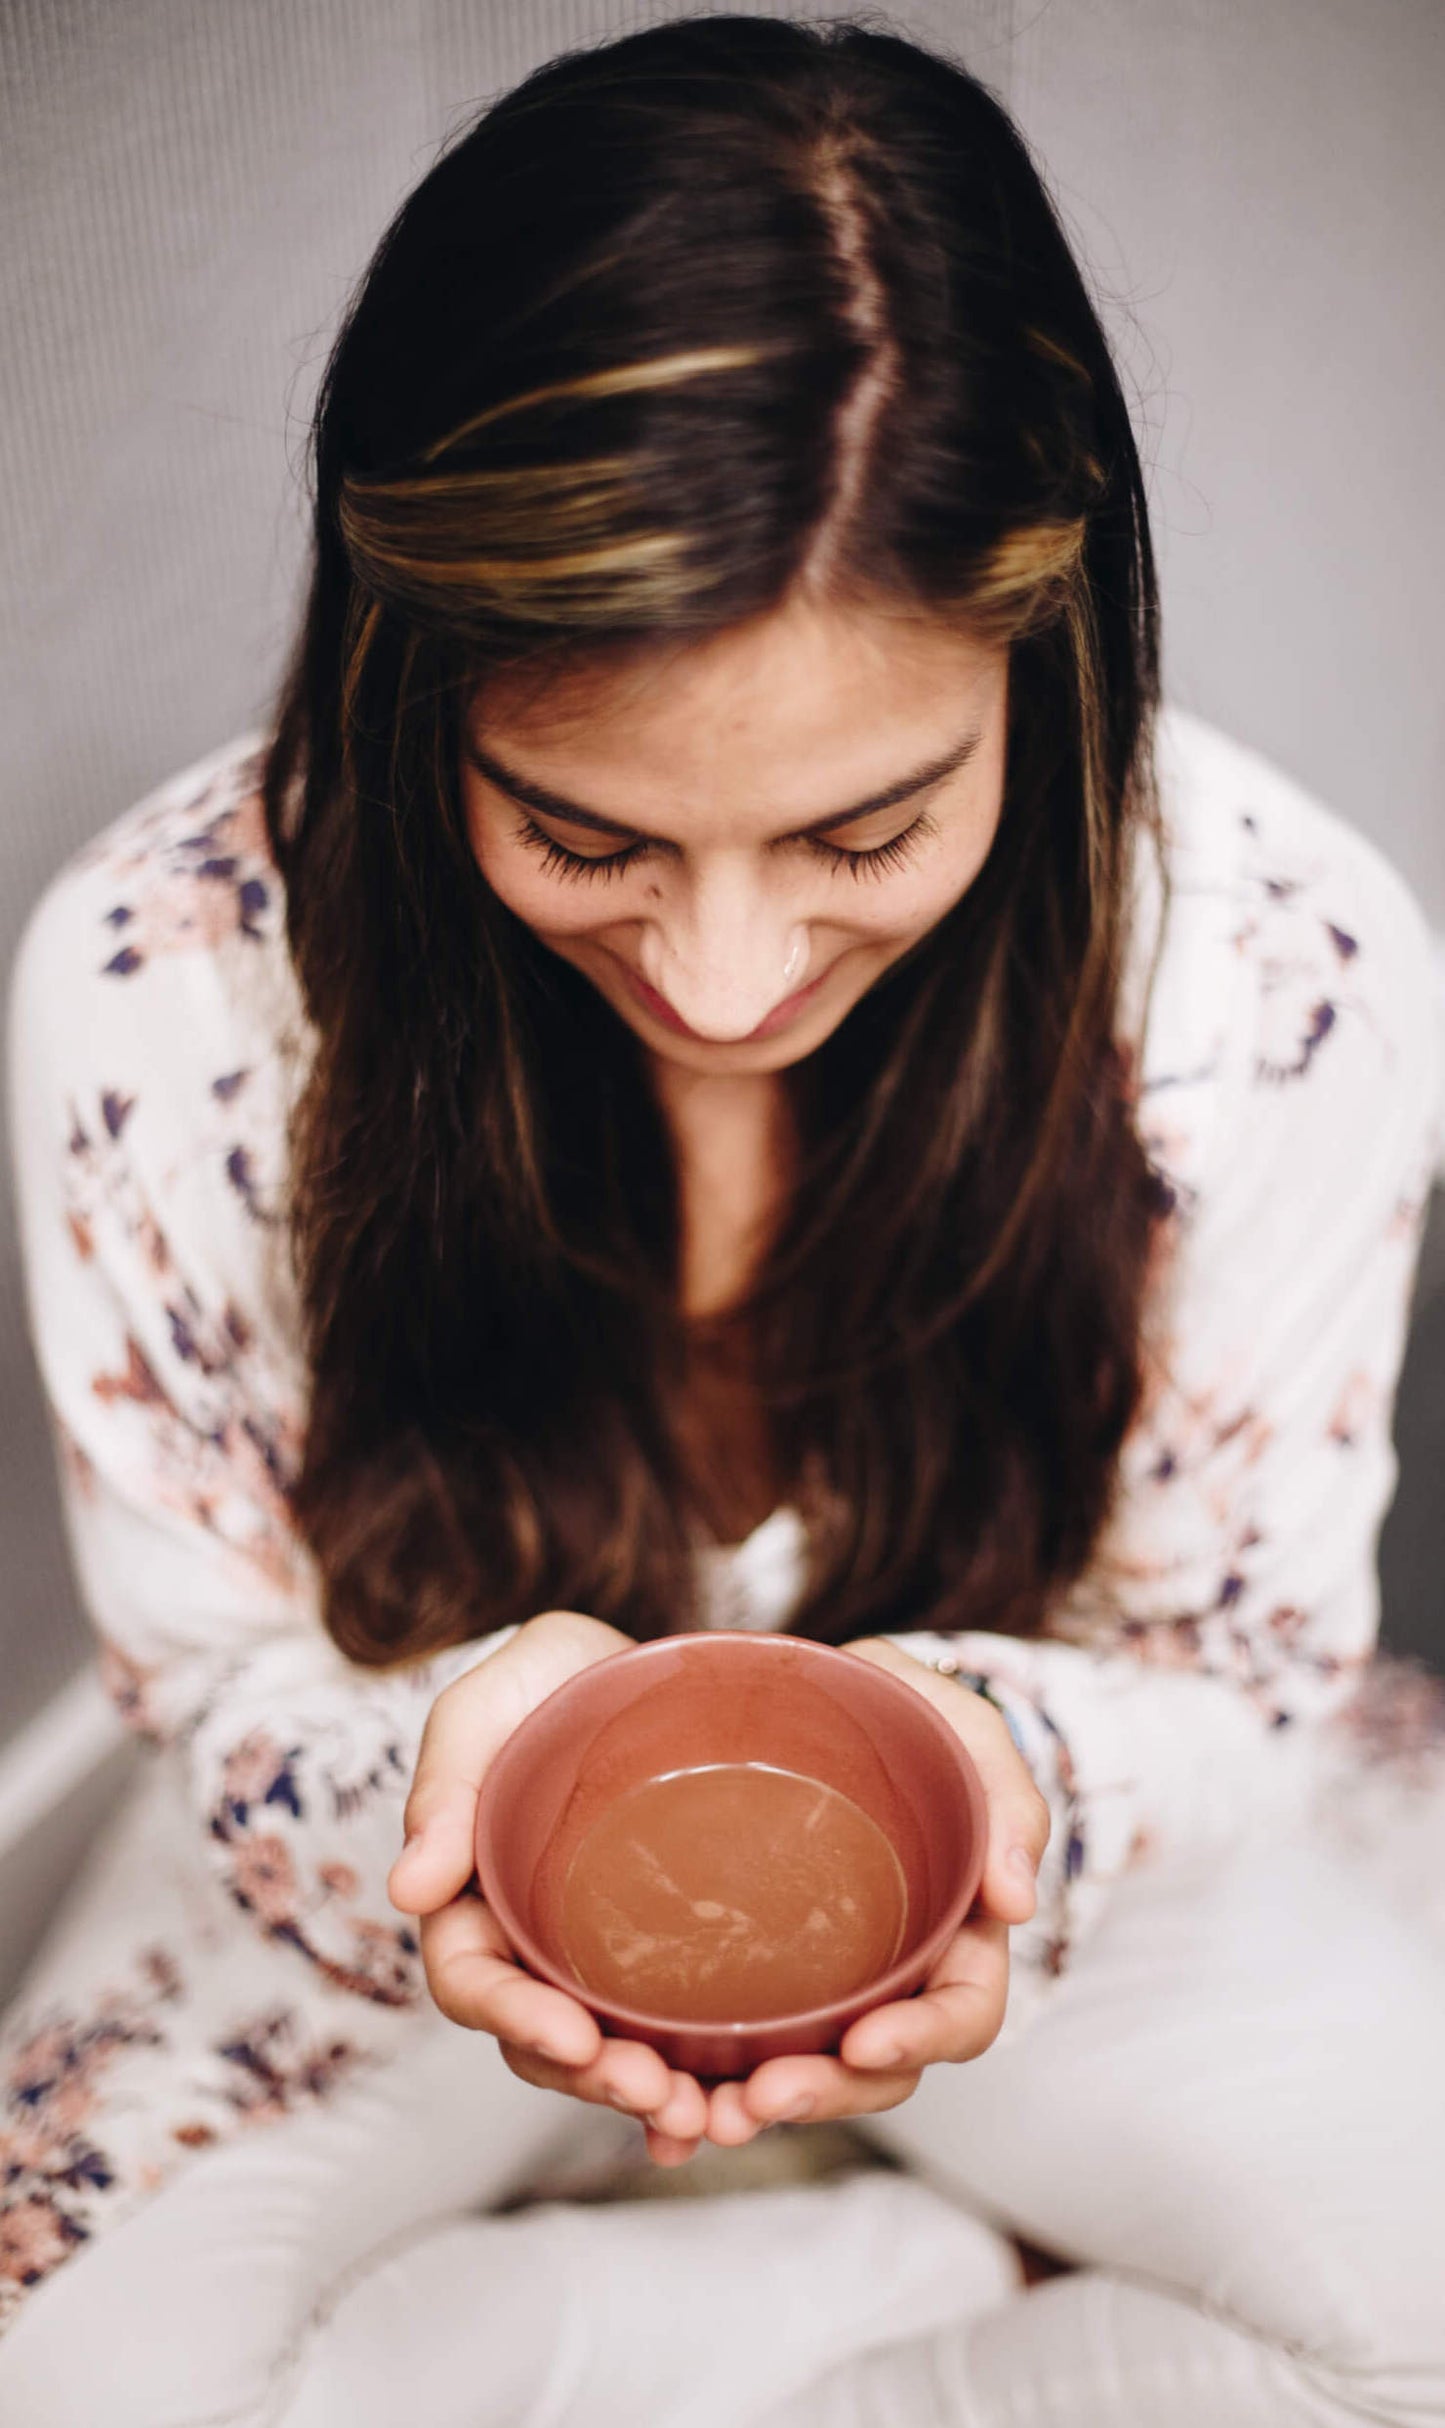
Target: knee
(1384,2361)
(79,2345)
(1344,2285)
(1398,2389)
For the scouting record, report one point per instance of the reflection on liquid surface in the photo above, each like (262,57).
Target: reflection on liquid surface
(731,1893)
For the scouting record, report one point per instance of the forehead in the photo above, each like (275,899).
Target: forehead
(818,705)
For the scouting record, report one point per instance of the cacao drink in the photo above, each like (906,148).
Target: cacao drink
(730,1893)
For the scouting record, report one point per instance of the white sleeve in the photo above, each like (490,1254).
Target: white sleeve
(1235,1599)
(173,1452)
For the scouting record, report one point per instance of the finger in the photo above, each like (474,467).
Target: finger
(957,2015)
(625,2074)
(795,2090)
(728,2121)
(466,1727)
(682,2117)
(1019,1820)
(667,2151)
(476,1981)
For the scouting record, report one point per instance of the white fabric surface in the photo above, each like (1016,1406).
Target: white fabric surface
(1230,2116)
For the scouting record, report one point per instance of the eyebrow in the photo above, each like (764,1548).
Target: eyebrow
(528,795)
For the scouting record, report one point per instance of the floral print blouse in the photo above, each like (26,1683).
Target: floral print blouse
(1287,1077)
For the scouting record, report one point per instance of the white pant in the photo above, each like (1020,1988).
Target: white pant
(1231,2117)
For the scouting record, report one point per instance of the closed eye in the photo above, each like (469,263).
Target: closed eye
(564,863)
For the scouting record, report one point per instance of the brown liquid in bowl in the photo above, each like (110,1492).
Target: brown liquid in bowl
(731,1893)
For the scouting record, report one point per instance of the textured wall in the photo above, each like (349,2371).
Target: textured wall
(189,192)
(1260,185)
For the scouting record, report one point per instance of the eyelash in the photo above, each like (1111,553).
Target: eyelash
(555,856)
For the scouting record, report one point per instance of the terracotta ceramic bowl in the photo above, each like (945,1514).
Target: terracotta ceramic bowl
(681,1702)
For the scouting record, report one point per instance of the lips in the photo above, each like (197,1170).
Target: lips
(659,1006)
(782,1013)
(777,1018)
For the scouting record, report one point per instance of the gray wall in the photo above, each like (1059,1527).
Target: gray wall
(188,193)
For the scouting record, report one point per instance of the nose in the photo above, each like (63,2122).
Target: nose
(723,957)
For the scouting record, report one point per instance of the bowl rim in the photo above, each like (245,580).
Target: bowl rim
(878,1991)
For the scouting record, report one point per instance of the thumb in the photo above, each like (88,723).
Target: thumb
(466,1727)
(1018,1815)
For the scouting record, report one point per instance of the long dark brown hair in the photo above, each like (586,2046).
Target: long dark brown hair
(687,327)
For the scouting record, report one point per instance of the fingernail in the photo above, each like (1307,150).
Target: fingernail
(794,2112)
(1021,1863)
(553,2054)
(887,2052)
(619,2099)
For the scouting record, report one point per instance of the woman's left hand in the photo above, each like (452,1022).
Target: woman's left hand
(960,2009)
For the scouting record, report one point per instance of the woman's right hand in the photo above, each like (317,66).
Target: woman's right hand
(474,1977)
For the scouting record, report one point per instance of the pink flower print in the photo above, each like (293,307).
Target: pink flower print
(154,1244)
(264,1878)
(246,832)
(40,2060)
(275,1558)
(138,1381)
(275,2068)
(1287,1624)
(251,1768)
(25,2149)
(260,1457)
(386,1964)
(194,907)
(339,1879)
(34,2238)
(1249,1429)
(128,1686)
(162,1972)
(238,1331)
(1164,1643)
(375,1937)
(260,2110)
(1353,1409)
(70,2104)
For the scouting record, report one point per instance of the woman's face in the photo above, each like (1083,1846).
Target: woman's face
(733,840)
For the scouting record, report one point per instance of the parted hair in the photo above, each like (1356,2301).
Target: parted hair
(689,326)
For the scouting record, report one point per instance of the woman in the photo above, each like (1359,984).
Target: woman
(715,1064)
